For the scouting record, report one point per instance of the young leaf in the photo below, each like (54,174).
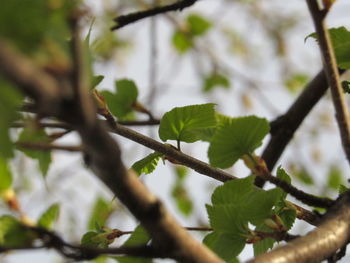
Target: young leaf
(340,38)
(101,210)
(43,157)
(148,164)
(265,244)
(96,80)
(5,175)
(215,80)
(139,237)
(197,24)
(101,239)
(227,246)
(181,196)
(335,178)
(183,123)
(121,102)
(47,219)
(182,41)
(235,137)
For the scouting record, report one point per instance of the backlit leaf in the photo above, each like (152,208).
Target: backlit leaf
(47,219)
(235,137)
(148,164)
(120,103)
(185,123)
(29,135)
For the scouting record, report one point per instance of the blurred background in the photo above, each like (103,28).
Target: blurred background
(247,56)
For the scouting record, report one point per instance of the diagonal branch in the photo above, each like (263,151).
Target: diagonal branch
(331,71)
(284,127)
(134,17)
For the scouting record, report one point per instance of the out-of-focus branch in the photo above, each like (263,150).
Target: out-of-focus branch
(77,252)
(331,70)
(133,17)
(31,79)
(319,244)
(40,146)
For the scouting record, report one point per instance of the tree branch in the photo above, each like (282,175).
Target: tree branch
(133,17)
(331,71)
(48,146)
(30,78)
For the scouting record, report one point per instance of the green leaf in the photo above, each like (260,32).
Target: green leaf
(235,137)
(101,239)
(227,246)
(121,102)
(96,80)
(101,211)
(36,135)
(281,174)
(237,200)
(10,101)
(183,123)
(335,178)
(215,80)
(139,237)
(197,24)
(148,164)
(235,205)
(288,217)
(265,244)
(340,38)
(13,233)
(47,219)
(5,175)
(182,41)
(182,198)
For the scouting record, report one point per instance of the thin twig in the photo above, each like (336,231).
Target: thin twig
(331,70)
(133,17)
(40,146)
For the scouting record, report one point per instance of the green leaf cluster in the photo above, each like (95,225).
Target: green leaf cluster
(122,100)
(195,26)
(234,205)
